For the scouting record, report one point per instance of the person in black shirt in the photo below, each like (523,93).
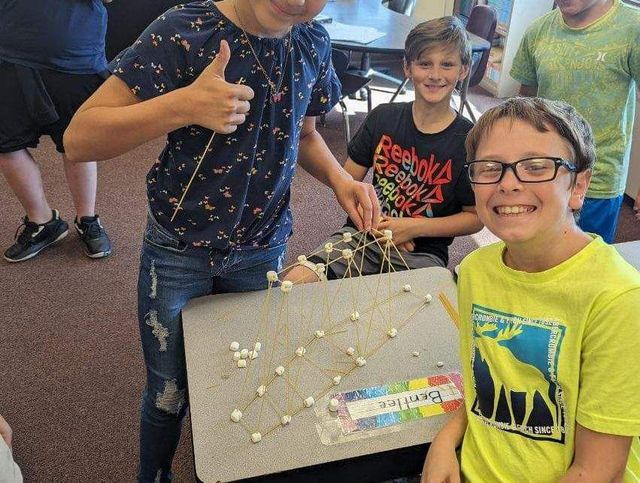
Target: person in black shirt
(416,150)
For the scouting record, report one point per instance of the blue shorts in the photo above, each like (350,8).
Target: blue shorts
(600,216)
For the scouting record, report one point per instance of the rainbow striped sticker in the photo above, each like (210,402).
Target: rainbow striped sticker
(400,402)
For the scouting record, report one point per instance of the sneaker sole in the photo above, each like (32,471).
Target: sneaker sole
(97,255)
(87,252)
(17,260)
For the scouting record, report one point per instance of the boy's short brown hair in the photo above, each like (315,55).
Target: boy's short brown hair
(439,32)
(544,115)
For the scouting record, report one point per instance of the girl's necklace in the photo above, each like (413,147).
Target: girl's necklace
(276,93)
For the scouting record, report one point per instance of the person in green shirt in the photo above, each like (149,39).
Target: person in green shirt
(587,53)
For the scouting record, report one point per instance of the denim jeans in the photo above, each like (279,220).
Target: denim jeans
(171,274)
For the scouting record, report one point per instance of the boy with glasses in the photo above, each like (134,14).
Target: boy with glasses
(549,321)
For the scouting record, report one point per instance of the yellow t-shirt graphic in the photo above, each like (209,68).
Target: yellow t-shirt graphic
(542,351)
(514,366)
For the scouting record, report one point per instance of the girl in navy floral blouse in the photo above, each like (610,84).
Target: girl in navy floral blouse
(255,73)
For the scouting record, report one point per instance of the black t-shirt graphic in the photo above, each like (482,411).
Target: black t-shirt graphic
(415,174)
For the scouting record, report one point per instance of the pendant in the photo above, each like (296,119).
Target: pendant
(276,96)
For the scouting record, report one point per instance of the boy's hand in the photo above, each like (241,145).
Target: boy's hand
(441,465)
(214,103)
(359,201)
(407,246)
(5,432)
(403,229)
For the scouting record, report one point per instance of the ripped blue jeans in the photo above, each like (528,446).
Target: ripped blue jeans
(171,274)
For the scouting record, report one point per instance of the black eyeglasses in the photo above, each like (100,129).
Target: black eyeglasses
(527,170)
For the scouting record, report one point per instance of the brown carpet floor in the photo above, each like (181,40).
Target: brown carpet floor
(71,369)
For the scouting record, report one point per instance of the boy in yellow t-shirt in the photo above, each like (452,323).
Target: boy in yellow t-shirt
(550,323)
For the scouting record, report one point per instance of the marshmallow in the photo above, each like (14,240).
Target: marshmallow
(272,276)
(236,415)
(336,380)
(350,351)
(415,354)
(236,356)
(286,286)
(428,298)
(242,363)
(392,332)
(319,268)
(234,346)
(346,237)
(279,370)
(257,347)
(253,354)
(319,334)
(286,419)
(361,361)
(328,247)
(309,402)
(387,234)
(261,390)
(333,405)
(244,353)
(347,253)
(302,258)
(406,288)
(355,316)
(256,437)
(440,364)
(300,351)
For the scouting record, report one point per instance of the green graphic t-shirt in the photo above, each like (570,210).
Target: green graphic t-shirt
(595,69)
(542,351)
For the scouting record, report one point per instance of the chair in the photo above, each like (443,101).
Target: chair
(482,22)
(404,7)
(351,82)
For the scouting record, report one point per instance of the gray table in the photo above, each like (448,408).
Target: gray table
(630,252)
(223,450)
(371,13)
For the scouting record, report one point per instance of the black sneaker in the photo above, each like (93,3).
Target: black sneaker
(95,240)
(36,237)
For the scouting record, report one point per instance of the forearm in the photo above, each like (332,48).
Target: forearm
(104,132)
(316,159)
(579,473)
(599,457)
(463,223)
(452,433)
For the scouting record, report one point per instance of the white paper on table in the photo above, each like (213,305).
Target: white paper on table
(353,33)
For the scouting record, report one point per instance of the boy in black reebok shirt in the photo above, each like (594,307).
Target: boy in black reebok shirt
(417,152)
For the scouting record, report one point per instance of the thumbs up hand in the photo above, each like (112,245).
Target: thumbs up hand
(212,102)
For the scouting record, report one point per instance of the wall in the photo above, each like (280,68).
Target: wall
(428,9)
(633,182)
